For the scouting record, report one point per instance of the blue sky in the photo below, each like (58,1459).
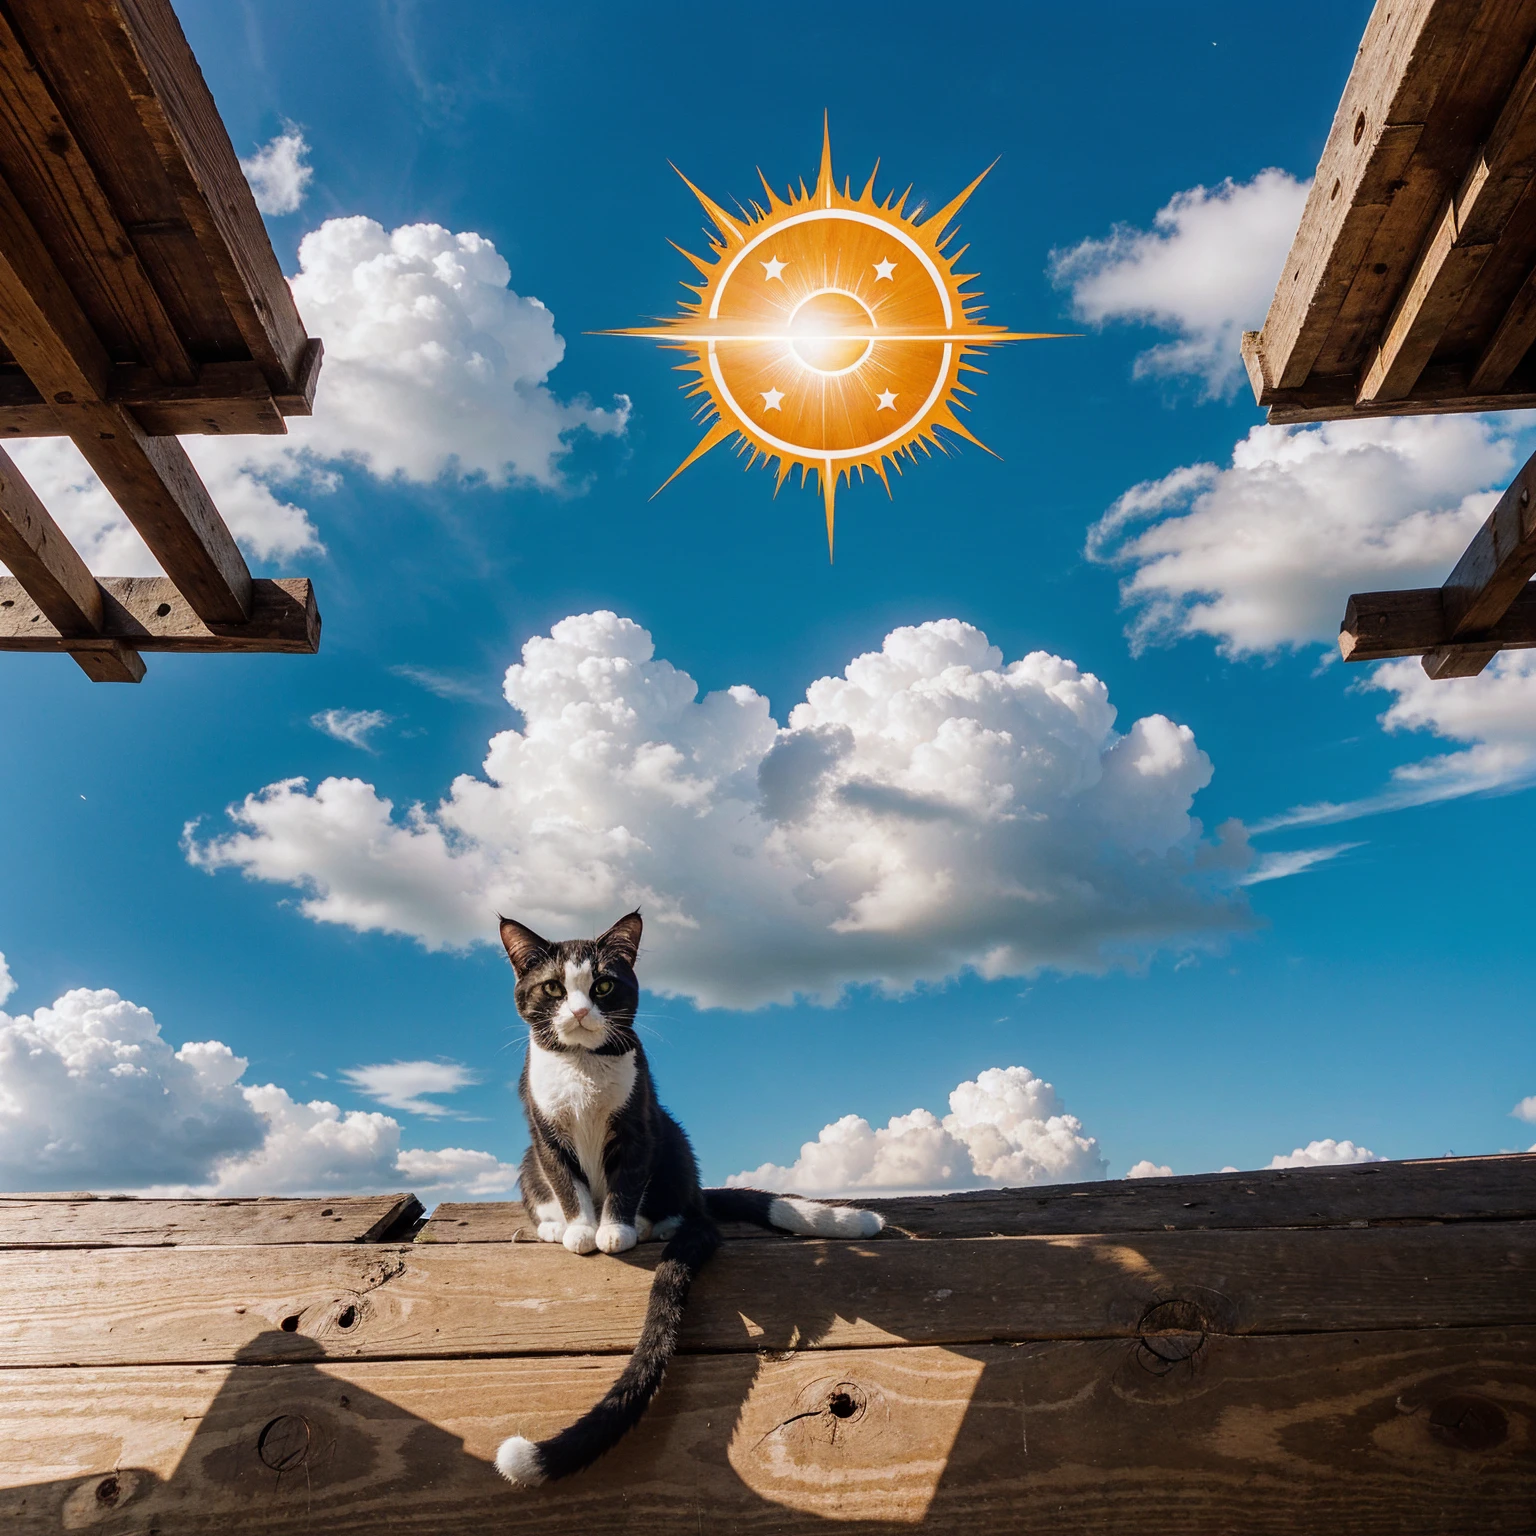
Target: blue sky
(1380,996)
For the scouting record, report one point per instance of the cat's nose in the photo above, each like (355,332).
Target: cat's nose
(580,1013)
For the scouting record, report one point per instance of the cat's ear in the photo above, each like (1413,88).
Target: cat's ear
(623,938)
(523,946)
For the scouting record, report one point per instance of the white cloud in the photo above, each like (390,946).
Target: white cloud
(1005,1128)
(1316,1153)
(278,173)
(1147,1169)
(1264,553)
(930,810)
(401,1084)
(93,1097)
(433,368)
(443,684)
(1293,861)
(7,981)
(1206,271)
(353,726)
(1524,1110)
(1493,714)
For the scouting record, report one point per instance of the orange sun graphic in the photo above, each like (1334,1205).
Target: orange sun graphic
(830,331)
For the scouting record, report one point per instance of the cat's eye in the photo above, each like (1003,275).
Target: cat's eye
(603,988)
(553,989)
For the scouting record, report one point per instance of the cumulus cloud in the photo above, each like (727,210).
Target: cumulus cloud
(934,808)
(1004,1128)
(92,1096)
(353,726)
(434,368)
(401,1084)
(278,172)
(1147,1169)
(1318,1153)
(1263,553)
(1493,715)
(1524,1110)
(1206,271)
(7,981)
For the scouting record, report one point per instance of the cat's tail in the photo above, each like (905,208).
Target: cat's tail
(789,1213)
(528,1464)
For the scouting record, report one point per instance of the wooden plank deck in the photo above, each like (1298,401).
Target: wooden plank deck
(1328,1350)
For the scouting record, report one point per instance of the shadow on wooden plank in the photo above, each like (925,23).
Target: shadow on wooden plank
(1180,1430)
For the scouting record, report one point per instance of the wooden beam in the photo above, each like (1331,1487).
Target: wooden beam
(150,614)
(1498,562)
(47,171)
(1442,389)
(1512,338)
(225,398)
(157,66)
(86,1221)
(1379,625)
(1438,1189)
(287,1303)
(1425,1431)
(44,563)
(1458,246)
(1408,52)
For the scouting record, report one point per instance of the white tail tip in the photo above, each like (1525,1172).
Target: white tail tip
(517,1460)
(810,1218)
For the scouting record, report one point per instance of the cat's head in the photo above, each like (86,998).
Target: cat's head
(577,994)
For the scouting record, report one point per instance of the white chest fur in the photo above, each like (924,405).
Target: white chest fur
(579,1093)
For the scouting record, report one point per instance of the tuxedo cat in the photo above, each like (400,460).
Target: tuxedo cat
(607,1167)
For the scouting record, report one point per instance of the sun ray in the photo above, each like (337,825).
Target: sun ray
(830,331)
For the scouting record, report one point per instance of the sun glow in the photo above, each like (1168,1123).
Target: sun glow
(830,331)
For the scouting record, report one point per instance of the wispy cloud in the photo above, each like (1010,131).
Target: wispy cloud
(1293,861)
(353,726)
(278,173)
(401,1084)
(443,684)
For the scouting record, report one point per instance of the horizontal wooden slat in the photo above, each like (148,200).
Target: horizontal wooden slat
(92,1223)
(1273,1437)
(1437,1189)
(1442,389)
(283,618)
(1378,625)
(372,1301)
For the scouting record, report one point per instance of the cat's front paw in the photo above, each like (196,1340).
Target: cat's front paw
(552,1231)
(643,1229)
(616,1237)
(580,1238)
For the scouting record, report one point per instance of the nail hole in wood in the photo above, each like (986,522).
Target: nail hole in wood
(290,1324)
(1380,269)
(1334,193)
(347,1317)
(846,1401)
(108,1491)
(161,609)
(1359,127)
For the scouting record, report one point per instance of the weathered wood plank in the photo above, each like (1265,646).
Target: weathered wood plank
(163,496)
(1378,625)
(150,614)
(94,1223)
(1274,1437)
(1442,389)
(50,175)
(383,1301)
(177,110)
(1434,1189)
(1407,55)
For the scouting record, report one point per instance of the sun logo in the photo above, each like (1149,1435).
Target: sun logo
(830,331)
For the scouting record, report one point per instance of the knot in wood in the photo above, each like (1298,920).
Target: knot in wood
(1172,1331)
(847,1401)
(1468,1423)
(109,1491)
(284,1443)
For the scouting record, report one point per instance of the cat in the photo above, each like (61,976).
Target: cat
(607,1167)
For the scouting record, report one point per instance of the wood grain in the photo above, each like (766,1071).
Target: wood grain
(1437,1189)
(1378,625)
(40,1222)
(43,561)
(283,618)
(1274,1437)
(388,1301)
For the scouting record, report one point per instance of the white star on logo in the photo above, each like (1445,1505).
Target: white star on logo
(774,268)
(884,269)
(887,401)
(771,398)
